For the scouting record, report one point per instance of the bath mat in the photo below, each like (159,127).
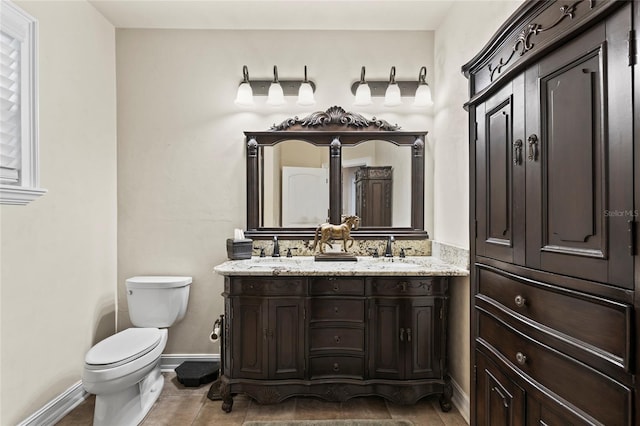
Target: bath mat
(363,422)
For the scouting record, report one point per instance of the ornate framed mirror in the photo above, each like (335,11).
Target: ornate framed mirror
(303,172)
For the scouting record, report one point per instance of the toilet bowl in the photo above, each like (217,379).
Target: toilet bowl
(123,370)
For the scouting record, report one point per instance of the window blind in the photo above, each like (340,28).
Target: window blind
(10,129)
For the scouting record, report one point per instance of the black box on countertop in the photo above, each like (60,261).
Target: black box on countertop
(239,249)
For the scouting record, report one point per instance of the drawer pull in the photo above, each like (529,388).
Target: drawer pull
(336,287)
(336,367)
(335,309)
(402,286)
(408,334)
(520,301)
(336,338)
(521,358)
(402,334)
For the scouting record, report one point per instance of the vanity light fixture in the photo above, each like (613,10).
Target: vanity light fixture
(392,94)
(244,97)
(305,92)
(392,90)
(422,97)
(275,89)
(363,93)
(276,94)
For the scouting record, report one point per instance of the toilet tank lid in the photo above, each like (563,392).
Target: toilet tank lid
(158,282)
(123,346)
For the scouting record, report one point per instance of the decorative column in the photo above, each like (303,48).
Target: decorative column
(417,183)
(335,181)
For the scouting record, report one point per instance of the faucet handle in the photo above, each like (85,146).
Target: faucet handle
(289,251)
(262,254)
(373,251)
(402,250)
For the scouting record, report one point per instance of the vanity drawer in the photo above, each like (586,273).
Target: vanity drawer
(561,374)
(337,366)
(268,286)
(326,309)
(406,286)
(599,322)
(332,338)
(337,286)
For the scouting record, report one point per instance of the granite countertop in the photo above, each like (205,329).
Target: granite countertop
(365,266)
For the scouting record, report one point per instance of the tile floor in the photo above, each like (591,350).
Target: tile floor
(181,406)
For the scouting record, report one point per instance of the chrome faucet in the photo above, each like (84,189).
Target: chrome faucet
(388,251)
(276,247)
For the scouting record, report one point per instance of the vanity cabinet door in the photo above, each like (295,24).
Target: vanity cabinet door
(407,338)
(387,338)
(268,338)
(423,345)
(286,339)
(249,350)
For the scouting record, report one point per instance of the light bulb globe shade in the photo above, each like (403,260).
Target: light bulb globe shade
(244,97)
(305,95)
(392,95)
(363,95)
(276,95)
(423,96)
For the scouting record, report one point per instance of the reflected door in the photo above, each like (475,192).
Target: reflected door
(305,196)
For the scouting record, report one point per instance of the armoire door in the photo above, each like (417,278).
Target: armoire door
(579,157)
(500,174)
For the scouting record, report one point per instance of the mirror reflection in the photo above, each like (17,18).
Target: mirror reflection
(376,182)
(294,185)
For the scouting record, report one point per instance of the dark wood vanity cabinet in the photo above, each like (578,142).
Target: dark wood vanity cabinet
(553,217)
(335,338)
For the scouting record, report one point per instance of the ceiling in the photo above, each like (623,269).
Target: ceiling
(276,14)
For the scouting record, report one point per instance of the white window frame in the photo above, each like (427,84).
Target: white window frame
(22,26)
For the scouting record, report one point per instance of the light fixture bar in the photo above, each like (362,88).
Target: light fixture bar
(379,87)
(289,87)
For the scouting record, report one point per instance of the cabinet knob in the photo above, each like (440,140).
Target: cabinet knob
(335,287)
(408,334)
(336,367)
(402,334)
(335,309)
(520,301)
(336,338)
(521,358)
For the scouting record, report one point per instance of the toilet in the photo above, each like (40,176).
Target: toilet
(123,370)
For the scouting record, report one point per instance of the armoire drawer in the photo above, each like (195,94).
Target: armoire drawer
(336,338)
(339,286)
(599,322)
(337,366)
(408,286)
(570,379)
(329,309)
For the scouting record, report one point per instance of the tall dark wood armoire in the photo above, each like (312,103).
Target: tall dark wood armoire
(373,195)
(555,193)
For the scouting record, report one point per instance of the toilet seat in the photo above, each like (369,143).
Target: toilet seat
(122,348)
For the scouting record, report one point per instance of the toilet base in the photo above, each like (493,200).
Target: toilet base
(128,407)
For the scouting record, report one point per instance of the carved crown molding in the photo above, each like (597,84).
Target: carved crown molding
(335,116)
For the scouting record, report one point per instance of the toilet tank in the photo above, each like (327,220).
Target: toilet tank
(157,301)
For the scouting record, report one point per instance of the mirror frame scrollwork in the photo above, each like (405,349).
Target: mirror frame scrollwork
(335,129)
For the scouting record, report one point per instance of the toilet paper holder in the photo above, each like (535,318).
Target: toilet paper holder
(215,332)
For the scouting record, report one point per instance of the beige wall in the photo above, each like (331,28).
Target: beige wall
(181,154)
(58,263)
(457,40)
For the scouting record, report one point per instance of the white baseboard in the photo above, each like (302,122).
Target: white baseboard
(169,362)
(460,400)
(58,407)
